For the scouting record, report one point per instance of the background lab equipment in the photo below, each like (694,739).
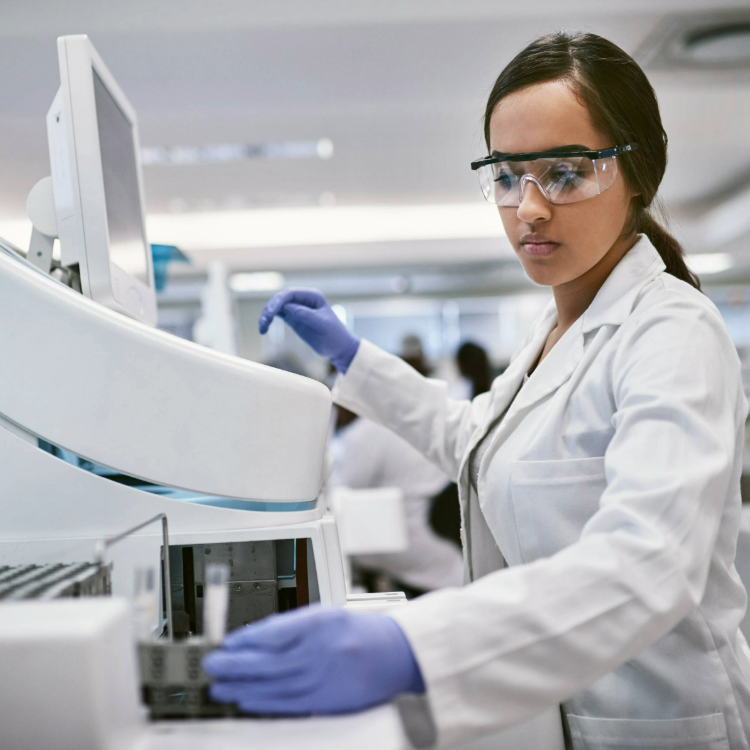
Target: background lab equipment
(229,451)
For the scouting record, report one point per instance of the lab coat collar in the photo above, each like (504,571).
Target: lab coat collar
(614,301)
(505,388)
(555,368)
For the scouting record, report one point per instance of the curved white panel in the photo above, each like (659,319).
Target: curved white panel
(149,404)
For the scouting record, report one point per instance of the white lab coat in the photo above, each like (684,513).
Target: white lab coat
(366,455)
(612,493)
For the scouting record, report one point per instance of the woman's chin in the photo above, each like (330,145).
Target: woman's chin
(545,273)
(544,276)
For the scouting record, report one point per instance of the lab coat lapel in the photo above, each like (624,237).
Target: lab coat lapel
(503,391)
(506,388)
(553,370)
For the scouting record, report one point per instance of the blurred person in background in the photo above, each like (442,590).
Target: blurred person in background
(412,352)
(368,455)
(474,365)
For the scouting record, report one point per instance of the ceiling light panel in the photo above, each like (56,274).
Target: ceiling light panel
(338,225)
(232,152)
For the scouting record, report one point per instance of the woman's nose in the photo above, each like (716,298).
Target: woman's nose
(534,206)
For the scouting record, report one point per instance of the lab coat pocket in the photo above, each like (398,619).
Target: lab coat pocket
(553,500)
(693,733)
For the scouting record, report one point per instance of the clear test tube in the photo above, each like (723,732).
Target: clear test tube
(216,602)
(145,619)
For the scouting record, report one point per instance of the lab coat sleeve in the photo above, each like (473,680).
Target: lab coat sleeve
(383,388)
(526,638)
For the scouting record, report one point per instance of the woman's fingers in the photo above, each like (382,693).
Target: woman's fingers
(272,309)
(307,297)
(232,666)
(259,702)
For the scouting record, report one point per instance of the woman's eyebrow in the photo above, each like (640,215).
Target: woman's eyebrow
(554,150)
(569,147)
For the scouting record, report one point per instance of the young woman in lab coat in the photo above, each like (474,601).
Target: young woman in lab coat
(599,478)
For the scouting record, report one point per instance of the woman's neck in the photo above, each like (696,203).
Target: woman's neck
(574,297)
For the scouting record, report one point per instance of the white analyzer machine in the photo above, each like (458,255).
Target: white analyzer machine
(107,423)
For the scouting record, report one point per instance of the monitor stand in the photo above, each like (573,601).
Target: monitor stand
(40,207)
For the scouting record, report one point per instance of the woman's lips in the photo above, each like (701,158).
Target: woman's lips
(539,249)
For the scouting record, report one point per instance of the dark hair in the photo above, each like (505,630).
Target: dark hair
(622,104)
(474,364)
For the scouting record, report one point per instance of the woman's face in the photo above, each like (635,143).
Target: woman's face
(556,244)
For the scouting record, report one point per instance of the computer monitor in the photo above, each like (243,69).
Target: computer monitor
(97,183)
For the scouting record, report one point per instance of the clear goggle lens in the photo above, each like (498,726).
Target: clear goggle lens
(560,179)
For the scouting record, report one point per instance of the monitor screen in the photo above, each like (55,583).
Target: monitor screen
(127,243)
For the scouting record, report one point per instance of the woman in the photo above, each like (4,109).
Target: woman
(599,478)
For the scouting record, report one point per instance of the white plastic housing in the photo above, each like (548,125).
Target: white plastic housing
(69,677)
(78,181)
(54,512)
(151,405)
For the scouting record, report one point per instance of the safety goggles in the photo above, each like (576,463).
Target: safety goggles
(561,176)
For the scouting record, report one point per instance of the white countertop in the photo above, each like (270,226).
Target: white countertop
(377,729)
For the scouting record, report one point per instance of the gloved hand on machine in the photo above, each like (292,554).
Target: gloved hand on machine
(316,660)
(308,314)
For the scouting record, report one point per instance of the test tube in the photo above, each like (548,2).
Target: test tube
(216,602)
(145,616)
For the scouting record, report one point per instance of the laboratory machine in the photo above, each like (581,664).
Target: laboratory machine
(134,465)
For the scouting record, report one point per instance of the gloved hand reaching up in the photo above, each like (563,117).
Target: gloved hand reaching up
(310,316)
(316,660)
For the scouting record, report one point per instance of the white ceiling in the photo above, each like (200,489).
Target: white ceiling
(398,86)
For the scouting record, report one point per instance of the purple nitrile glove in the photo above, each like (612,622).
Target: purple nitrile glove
(316,660)
(310,316)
